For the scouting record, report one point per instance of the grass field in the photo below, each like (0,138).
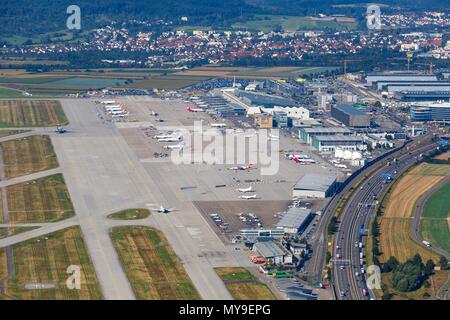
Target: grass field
(3,265)
(444,156)
(428,169)
(169,82)
(8,232)
(45,260)
(268,23)
(435,223)
(31,113)
(42,200)
(87,82)
(396,221)
(130,214)
(242,285)
(153,269)
(10,93)
(27,155)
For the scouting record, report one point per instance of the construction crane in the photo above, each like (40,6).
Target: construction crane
(430,65)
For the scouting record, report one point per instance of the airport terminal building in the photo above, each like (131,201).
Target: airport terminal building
(430,112)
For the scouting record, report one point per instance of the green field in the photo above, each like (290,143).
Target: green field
(268,23)
(151,265)
(435,224)
(87,82)
(44,260)
(130,214)
(10,93)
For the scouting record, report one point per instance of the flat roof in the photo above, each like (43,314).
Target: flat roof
(326,130)
(315,181)
(294,218)
(349,109)
(337,138)
(269,249)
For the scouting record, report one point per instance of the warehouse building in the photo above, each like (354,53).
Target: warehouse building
(331,143)
(280,119)
(314,185)
(399,76)
(350,116)
(295,220)
(431,112)
(422,95)
(258,234)
(273,252)
(263,120)
(393,88)
(382,85)
(306,134)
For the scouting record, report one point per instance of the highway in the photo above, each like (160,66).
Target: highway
(347,268)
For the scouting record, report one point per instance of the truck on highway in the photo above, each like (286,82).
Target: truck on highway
(361,255)
(427,244)
(360,244)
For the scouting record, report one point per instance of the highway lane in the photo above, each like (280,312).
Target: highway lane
(356,214)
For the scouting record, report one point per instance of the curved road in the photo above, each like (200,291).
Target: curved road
(348,266)
(415,232)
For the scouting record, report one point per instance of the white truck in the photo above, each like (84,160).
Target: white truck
(427,244)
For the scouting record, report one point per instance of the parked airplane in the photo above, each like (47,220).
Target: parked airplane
(170,139)
(189,109)
(249,189)
(274,137)
(248,197)
(162,209)
(218,125)
(176,146)
(246,167)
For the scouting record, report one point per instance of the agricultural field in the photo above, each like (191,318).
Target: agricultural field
(27,155)
(242,285)
(43,200)
(428,169)
(168,82)
(435,222)
(3,265)
(396,221)
(44,260)
(130,214)
(269,23)
(31,113)
(87,82)
(153,269)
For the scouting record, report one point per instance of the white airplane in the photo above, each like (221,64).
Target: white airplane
(246,167)
(176,146)
(162,209)
(171,139)
(248,197)
(189,109)
(218,125)
(244,190)
(273,137)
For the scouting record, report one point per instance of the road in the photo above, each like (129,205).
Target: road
(415,232)
(348,280)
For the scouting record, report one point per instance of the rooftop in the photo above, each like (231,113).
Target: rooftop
(338,137)
(269,249)
(294,218)
(326,130)
(315,181)
(349,109)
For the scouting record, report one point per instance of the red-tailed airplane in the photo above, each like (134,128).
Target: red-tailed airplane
(189,109)
(246,167)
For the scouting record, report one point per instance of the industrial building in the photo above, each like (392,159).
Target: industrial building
(295,220)
(263,120)
(255,234)
(399,76)
(350,116)
(431,112)
(306,134)
(265,100)
(273,252)
(382,85)
(280,119)
(422,95)
(331,143)
(292,112)
(437,87)
(314,185)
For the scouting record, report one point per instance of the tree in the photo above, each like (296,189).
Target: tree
(429,268)
(443,263)
(390,265)
(332,225)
